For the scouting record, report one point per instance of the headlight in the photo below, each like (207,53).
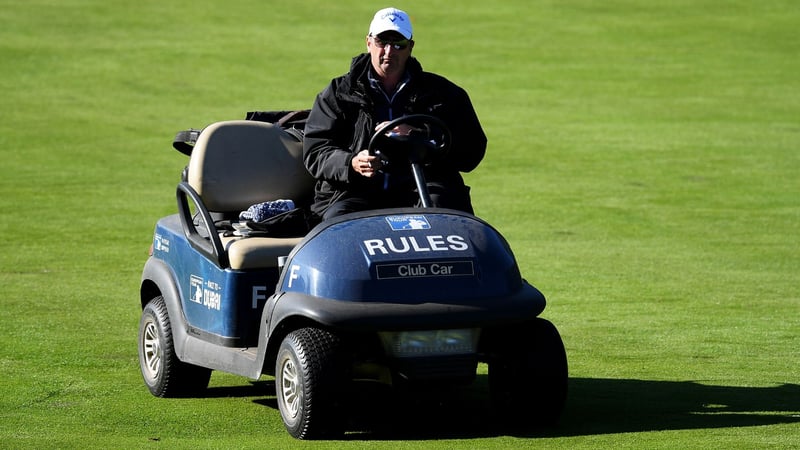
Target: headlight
(430,342)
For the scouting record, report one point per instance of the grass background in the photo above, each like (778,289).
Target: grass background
(643,163)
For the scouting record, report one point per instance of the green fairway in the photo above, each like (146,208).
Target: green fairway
(643,163)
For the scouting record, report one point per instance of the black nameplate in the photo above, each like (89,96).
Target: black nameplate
(425,269)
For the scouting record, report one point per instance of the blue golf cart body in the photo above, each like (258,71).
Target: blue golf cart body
(404,296)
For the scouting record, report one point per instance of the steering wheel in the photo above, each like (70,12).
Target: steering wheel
(429,140)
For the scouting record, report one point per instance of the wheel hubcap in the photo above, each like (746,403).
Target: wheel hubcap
(291,391)
(151,346)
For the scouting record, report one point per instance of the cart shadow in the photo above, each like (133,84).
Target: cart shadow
(594,407)
(605,406)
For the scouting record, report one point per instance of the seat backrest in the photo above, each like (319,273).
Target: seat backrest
(239,163)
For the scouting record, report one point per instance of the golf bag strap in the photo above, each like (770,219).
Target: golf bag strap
(292,121)
(293,117)
(184,141)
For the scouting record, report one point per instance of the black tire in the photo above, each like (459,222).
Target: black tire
(164,374)
(528,375)
(309,384)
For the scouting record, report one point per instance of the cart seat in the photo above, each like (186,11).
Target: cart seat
(239,163)
(257,252)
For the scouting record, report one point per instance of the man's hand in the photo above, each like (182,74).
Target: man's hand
(366,164)
(402,129)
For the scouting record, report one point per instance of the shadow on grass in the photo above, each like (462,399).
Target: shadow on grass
(595,406)
(602,406)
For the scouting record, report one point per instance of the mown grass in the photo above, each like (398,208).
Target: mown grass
(643,165)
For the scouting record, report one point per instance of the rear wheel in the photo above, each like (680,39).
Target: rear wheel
(528,375)
(164,374)
(309,380)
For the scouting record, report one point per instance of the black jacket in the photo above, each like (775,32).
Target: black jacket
(341,124)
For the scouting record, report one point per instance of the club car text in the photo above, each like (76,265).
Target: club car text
(428,269)
(406,244)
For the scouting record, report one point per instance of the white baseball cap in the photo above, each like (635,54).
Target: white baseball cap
(391,19)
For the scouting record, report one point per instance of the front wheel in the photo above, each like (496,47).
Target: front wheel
(164,374)
(309,377)
(528,375)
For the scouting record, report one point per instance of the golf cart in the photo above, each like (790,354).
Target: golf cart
(409,297)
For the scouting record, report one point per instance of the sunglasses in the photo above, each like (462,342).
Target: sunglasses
(397,45)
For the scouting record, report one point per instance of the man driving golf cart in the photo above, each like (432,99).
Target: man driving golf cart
(384,84)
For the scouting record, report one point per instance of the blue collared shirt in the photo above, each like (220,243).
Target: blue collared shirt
(387,107)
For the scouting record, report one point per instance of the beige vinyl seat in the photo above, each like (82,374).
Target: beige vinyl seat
(236,164)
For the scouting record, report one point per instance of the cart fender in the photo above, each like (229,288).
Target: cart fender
(158,273)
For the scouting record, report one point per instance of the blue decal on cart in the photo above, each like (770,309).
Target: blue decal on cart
(408,222)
